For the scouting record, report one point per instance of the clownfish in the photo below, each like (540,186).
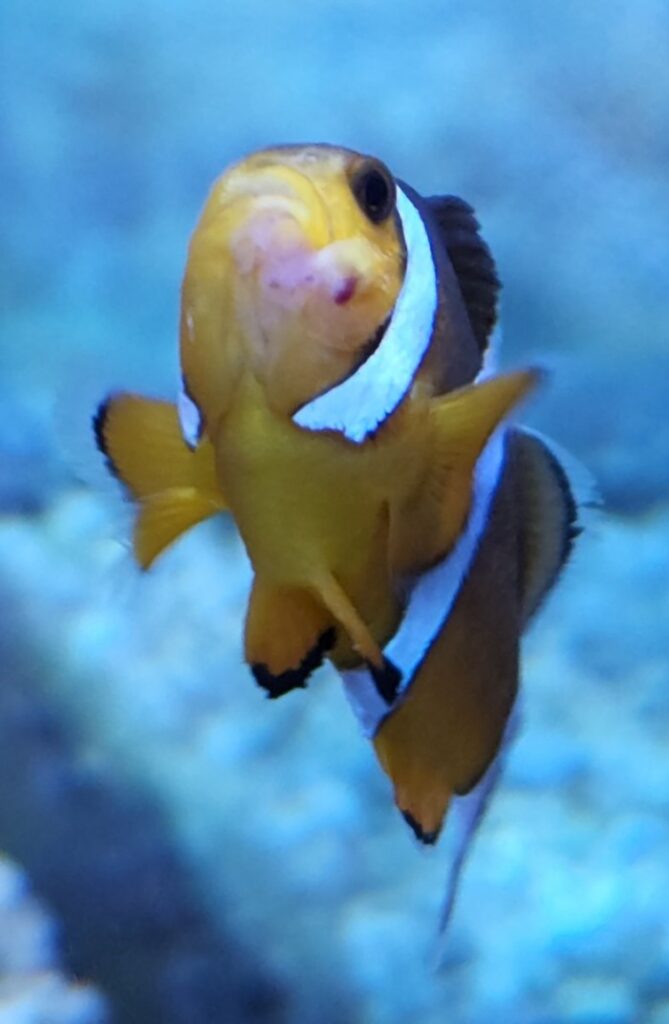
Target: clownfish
(340,400)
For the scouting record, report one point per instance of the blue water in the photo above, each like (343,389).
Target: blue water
(205,855)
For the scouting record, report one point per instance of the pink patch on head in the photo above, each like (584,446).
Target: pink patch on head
(346,290)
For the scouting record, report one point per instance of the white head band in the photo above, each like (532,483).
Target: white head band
(360,404)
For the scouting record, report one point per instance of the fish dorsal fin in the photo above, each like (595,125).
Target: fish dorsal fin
(549,518)
(472,262)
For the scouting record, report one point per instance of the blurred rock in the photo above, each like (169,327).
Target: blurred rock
(32,989)
(99,850)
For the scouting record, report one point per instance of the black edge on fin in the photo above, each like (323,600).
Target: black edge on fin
(294,678)
(429,838)
(98,420)
(387,680)
(472,262)
(572,527)
(551,512)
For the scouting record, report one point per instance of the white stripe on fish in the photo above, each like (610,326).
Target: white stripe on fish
(359,405)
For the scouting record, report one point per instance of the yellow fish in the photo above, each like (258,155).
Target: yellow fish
(340,400)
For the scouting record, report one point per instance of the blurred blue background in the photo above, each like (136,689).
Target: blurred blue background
(202,855)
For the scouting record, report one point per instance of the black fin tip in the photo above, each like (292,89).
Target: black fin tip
(429,838)
(387,680)
(294,678)
(99,420)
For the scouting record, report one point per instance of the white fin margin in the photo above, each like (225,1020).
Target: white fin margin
(360,404)
(464,817)
(189,418)
(583,485)
(490,362)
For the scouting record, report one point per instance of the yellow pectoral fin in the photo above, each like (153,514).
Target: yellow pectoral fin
(465,419)
(344,612)
(142,441)
(384,673)
(424,528)
(174,487)
(288,632)
(162,518)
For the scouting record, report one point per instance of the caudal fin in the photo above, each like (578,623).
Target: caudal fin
(173,486)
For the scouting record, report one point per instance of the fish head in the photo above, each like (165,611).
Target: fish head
(293,270)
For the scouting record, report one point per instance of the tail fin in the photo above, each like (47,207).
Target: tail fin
(173,487)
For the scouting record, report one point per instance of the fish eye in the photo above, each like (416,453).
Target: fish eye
(374,190)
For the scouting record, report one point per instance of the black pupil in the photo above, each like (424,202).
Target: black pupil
(374,193)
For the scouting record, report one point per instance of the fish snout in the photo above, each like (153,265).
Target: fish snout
(280,235)
(272,207)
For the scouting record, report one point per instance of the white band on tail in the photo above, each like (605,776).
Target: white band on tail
(360,404)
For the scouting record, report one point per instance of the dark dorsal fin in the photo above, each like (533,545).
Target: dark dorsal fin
(472,262)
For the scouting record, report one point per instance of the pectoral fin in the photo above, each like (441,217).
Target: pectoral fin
(426,527)
(288,633)
(162,518)
(386,676)
(173,486)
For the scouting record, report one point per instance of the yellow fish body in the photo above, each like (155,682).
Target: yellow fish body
(339,400)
